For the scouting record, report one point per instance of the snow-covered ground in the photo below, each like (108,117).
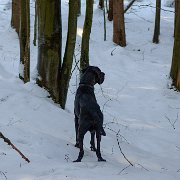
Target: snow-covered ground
(135,100)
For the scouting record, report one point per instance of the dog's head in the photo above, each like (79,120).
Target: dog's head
(98,74)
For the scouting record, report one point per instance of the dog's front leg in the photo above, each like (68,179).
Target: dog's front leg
(98,151)
(81,152)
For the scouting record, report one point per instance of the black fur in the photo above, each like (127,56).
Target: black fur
(88,116)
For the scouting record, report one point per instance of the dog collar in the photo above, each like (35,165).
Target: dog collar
(86,85)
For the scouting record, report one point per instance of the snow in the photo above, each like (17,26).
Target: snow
(135,98)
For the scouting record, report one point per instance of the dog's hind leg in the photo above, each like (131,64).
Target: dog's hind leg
(92,142)
(81,152)
(76,119)
(98,151)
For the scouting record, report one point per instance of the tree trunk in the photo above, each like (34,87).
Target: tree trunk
(101,4)
(119,36)
(175,15)
(79,7)
(110,12)
(35,24)
(49,45)
(24,69)
(69,52)
(84,60)
(16,12)
(175,66)
(157,22)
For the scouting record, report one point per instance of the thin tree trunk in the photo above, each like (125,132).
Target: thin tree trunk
(84,60)
(16,13)
(79,7)
(110,12)
(49,45)
(157,22)
(175,66)
(119,36)
(175,15)
(35,24)
(24,69)
(69,52)
(101,4)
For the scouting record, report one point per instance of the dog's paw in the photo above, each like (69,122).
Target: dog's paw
(101,160)
(103,133)
(77,160)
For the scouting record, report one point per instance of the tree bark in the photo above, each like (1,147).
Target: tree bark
(16,12)
(69,52)
(49,45)
(110,12)
(119,35)
(84,60)
(175,66)
(24,69)
(175,14)
(157,22)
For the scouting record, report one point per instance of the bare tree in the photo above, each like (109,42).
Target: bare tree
(175,66)
(119,36)
(175,14)
(49,45)
(84,60)
(24,69)
(157,22)
(69,52)
(16,12)
(110,12)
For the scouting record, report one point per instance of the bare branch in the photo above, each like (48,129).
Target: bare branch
(117,135)
(14,147)
(124,169)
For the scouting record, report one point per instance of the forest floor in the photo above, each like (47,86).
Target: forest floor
(140,110)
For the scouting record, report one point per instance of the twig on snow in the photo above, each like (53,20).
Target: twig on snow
(172,123)
(143,167)
(14,147)
(2,173)
(117,135)
(124,169)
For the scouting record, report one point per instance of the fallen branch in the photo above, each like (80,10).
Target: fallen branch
(117,135)
(14,147)
(129,5)
(3,174)
(124,169)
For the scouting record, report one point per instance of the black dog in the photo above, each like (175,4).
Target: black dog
(88,116)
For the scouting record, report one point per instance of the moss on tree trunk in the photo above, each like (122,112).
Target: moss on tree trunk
(49,45)
(69,52)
